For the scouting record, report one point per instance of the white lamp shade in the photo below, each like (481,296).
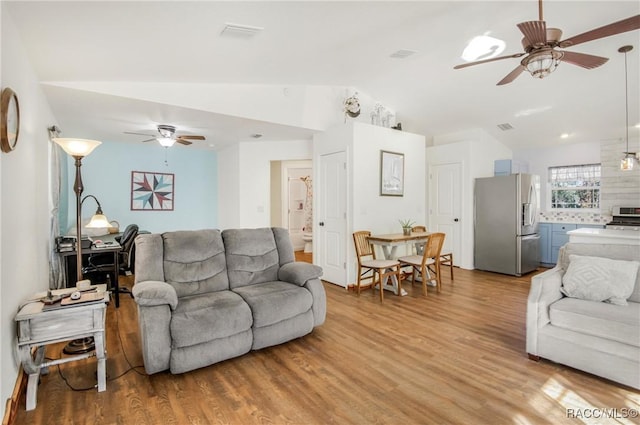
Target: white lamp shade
(98,221)
(77,147)
(167,142)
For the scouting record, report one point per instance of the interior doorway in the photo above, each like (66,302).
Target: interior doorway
(292,200)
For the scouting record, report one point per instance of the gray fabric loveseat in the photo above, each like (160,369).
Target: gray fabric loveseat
(602,338)
(206,296)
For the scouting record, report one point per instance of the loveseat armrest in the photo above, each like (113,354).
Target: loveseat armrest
(544,290)
(154,293)
(299,272)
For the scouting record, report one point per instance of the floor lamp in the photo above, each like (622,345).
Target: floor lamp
(78,149)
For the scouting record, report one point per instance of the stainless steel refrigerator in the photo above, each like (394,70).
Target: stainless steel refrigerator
(506,224)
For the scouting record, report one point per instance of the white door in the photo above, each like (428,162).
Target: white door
(445,204)
(331,218)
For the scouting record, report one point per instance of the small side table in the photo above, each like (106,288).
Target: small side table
(39,326)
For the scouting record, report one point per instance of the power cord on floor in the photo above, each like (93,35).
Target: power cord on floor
(131,366)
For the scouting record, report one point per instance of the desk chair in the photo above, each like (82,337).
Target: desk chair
(380,268)
(104,263)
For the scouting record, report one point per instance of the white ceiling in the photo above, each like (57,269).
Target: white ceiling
(333,43)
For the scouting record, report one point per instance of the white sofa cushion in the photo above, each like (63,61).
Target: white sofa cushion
(600,279)
(618,252)
(617,323)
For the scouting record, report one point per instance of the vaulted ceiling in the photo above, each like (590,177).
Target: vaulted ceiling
(79,45)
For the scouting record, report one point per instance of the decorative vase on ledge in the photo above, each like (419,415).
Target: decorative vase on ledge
(406,231)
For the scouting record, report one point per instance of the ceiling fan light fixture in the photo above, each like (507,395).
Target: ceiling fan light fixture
(166,142)
(542,63)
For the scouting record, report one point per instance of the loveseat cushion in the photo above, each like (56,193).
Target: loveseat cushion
(599,279)
(252,256)
(205,317)
(194,261)
(272,302)
(616,252)
(609,321)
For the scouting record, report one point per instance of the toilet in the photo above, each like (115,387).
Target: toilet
(308,242)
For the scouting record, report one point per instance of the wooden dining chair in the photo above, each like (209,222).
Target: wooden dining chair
(419,246)
(367,262)
(446,258)
(430,257)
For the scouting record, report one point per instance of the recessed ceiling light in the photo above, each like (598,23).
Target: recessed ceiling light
(483,47)
(564,135)
(506,126)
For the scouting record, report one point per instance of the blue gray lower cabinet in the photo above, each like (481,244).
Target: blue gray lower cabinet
(545,243)
(553,236)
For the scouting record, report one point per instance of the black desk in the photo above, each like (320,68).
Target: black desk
(70,266)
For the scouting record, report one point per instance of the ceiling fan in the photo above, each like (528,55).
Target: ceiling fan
(540,55)
(167,136)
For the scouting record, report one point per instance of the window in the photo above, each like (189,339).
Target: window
(575,186)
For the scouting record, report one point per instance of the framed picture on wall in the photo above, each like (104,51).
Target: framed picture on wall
(152,191)
(391,173)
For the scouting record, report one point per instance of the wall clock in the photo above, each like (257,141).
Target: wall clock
(9,120)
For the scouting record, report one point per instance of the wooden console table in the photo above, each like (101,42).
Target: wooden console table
(39,327)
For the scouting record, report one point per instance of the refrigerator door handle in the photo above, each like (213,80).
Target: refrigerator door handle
(527,214)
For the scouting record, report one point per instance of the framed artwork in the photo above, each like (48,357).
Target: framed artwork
(391,173)
(152,191)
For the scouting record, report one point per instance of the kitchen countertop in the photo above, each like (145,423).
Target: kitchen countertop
(606,236)
(586,223)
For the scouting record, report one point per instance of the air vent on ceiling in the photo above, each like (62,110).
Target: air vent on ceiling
(506,126)
(402,54)
(240,31)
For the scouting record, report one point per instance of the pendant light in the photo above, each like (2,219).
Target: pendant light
(627,163)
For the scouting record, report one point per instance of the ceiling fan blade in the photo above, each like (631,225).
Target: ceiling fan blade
(464,65)
(149,140)
(191,137)
(183,142)
(138,134)
(535,32)
(583,60)
(625,25)
(511,76)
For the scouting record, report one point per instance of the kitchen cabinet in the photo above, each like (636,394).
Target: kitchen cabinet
(505,167)
(545,243)
(553,236)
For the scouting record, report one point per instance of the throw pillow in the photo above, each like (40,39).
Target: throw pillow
(599,279)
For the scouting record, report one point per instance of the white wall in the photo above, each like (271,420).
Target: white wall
(540,159)
(244,176)
(366,209)
(229,187)
(476,158)
(24,219)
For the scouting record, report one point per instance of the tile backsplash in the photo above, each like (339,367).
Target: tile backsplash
(574,217)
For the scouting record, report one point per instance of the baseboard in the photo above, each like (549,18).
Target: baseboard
(11,409)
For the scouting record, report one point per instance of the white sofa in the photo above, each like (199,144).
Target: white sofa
(597,337)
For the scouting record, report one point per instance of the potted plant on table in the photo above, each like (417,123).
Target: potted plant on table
(406,226)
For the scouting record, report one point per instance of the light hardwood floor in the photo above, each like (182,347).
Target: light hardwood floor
(456,357)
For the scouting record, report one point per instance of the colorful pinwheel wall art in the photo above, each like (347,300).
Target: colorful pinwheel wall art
(151,191)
